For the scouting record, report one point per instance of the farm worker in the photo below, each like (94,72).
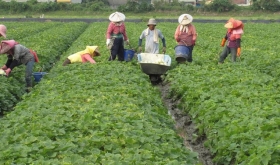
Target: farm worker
(83,56)
(233,38)
(185,33)
(116,36)
(3,30)
(18,54)
(152,36)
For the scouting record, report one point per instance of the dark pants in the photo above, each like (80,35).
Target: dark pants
(189,58)
(117,50)
(226,52)
(66,62)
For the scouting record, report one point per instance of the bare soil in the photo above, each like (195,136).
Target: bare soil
(185,127)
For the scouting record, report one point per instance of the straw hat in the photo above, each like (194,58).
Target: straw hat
(3,30)
(117,17)
(152,21)
(185,19)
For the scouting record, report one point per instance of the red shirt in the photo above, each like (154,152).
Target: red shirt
(114,29)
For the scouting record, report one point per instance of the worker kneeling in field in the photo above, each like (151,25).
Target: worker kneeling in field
(18,54)
(233,38)
(83,56)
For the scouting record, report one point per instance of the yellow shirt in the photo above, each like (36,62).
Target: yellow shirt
(77,57)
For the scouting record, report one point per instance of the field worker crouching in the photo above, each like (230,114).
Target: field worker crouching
(83,56)
(3,31)
(233,38)
(18,54)
(152,35)
(185,34)
(116,36)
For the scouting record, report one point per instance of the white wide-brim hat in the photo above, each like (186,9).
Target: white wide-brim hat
(185,19)
(117,17)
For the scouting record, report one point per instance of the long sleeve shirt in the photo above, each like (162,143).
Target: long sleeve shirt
(185,37)
(116,30)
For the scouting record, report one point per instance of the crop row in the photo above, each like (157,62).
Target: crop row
(236,105)
(49,45)
(105,113)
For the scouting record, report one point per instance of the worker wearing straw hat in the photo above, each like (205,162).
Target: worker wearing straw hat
(152,36)
(233,39)
(116,36)
(3,30)
(185,33)
(18,54)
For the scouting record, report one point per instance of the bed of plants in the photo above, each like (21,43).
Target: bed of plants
(109,113)
(236,105)
(49,43)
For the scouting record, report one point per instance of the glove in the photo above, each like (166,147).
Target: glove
(140,49)
(4,67)
(108,41)
(164,50)
(223,42)
(8,71)
(238,52)
(127,42)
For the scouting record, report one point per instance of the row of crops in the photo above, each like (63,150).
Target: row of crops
(108,113)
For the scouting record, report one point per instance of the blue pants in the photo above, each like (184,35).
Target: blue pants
(28,72)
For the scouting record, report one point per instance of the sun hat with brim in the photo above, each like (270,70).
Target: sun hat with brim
(117,17)
(232,24)
(6,45)
(152,21)
(3,30)
(185,19)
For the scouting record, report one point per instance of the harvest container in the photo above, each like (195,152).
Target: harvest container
(128,54)
(182,53)
(38,76)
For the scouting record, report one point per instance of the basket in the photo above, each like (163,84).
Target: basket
(38,76)
(128,54)
(181,52)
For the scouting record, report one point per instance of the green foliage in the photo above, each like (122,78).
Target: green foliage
(56,40)
(16,7)
(220,6)
(235,104)
(135,6)
(175,5)
(107,113)
(268,5)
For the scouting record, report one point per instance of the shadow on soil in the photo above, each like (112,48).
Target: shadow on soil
(185,127)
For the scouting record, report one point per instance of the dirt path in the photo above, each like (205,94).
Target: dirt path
(185,127)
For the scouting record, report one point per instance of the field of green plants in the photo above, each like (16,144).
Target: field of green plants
(109,113)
